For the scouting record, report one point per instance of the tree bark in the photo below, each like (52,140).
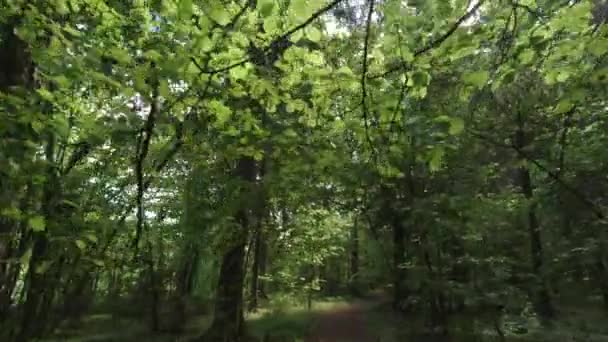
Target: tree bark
(228,316)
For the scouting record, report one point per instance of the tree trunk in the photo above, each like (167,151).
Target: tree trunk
(542,298)
(255,269)
(16,70)
(602,276)
(32,325)
(185,284)
(398,260)
(228,316)
(262,268)
(354,259)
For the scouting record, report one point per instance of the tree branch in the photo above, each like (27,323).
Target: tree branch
(270,46)
(555,176)
(434,42)
(364,107)
(142,153)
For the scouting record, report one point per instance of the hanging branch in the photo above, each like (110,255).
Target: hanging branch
(364,107)
(434,43)
(279,41)
(555,176)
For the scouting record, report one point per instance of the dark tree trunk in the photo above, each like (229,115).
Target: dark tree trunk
(255,269)
(262,268)
(16,70)
(354,259)
(542,298)
(398,260)
(602,276)
(228,322)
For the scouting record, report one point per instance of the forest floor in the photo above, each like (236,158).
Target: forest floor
(349,323)
(368,319)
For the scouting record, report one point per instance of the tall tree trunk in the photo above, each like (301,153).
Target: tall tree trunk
(228,319)
(16,71)
(354,259)
(602,274)
(542,298)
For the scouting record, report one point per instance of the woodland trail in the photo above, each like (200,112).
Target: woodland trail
(349,323)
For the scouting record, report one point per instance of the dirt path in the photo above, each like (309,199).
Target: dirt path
(345,324)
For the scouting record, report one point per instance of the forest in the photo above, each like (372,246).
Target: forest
(303,170)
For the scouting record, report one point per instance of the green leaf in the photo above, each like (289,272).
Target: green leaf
(477,78)
(290,133)
(204,43)
(301,9)
(419,78)
(562,76)
(599,47)
(164,89)
(526,56)
(313,34)
(266,7)
(406,54)
(563,106)
(185,8)
(271,25)
(98,262)
(91,237)
(219,14)
(122,56)
(239,73)
(37,223)
(43,267)
(221,111)
(456,126)
(80,244)
(11,212)
(436,158)
(70,203)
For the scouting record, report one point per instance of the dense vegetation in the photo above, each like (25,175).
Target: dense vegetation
(166,160)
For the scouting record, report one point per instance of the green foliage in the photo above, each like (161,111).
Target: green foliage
(141,141)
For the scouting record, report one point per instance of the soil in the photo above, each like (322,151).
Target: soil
(345,324)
